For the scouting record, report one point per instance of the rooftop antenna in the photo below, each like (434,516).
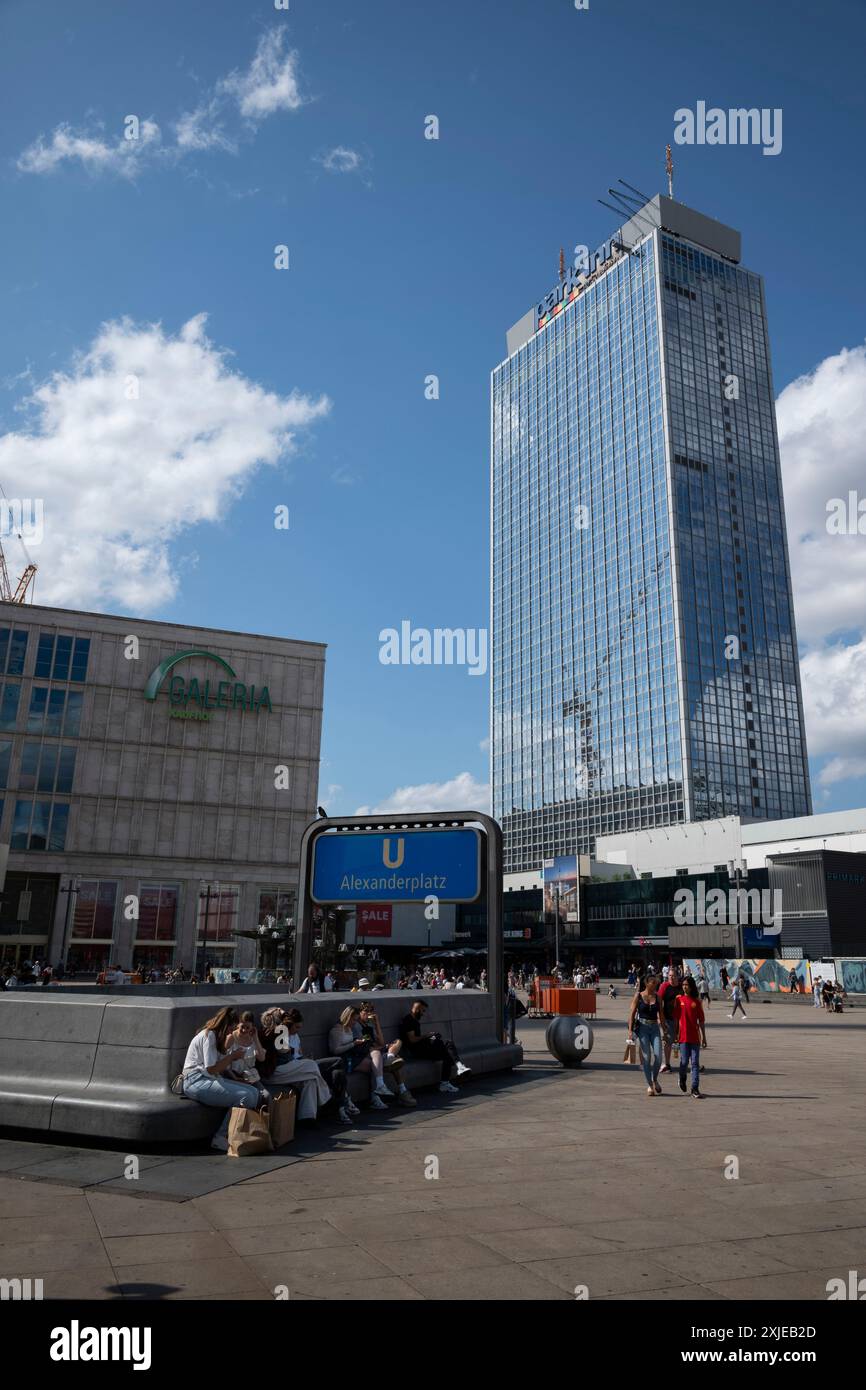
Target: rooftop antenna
(561,263)
(669,166)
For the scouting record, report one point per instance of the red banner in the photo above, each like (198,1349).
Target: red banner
(374,919)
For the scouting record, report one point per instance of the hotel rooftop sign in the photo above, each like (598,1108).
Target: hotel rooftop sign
(190,698)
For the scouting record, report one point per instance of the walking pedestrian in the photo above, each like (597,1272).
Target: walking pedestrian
(668,995)
(724,979)
(643,1027)
(737,999)
(691,1031)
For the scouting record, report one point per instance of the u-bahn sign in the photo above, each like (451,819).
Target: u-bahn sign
(399,866)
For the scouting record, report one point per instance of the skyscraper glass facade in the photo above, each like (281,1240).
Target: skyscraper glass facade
(637,528)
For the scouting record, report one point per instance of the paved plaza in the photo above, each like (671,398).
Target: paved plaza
(548,1182)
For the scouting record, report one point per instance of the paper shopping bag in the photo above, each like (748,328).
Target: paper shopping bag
(282,1113)
(630,1054)
(249,1133)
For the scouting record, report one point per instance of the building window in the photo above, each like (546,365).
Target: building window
(46,767)
(9,707)
(93,918)
(13,649)
(61,658)
(157,911)
(54,712)
(275,902)
(39,825)
(221,911)
(5,758)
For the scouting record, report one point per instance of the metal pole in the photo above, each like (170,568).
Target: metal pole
(206,896)
(558,891)
(71,887)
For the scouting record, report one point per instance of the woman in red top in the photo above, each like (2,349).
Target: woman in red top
(692,1033)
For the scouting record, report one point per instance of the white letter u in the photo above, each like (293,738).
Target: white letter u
(386,854)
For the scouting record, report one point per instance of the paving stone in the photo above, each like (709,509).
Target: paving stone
(434,1254)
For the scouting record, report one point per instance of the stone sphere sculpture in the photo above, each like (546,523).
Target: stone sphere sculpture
(569,1039)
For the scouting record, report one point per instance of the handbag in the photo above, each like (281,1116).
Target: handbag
(176,1086)
(282,1112)
(249,1132)
(630,1054)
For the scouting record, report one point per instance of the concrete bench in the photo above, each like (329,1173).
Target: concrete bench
(101,1064)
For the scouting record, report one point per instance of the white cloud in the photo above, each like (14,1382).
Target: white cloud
(66,145)
(201,130)
(122,478)
(462,793)
(340,160)
(270,83)
(822,426)
(834,698)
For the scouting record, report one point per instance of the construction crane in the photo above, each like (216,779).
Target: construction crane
(19,593)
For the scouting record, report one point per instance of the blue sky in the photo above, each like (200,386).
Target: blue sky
(408,257)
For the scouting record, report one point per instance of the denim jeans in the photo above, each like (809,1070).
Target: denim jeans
(208,1089)
(650,1044)
(691,1052)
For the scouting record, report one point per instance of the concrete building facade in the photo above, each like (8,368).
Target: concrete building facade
(157,779)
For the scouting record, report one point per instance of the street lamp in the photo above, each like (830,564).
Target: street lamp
(206,897)
(70,890)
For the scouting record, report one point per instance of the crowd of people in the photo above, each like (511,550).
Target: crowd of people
(26,972)
(233,1060)
(666,1020)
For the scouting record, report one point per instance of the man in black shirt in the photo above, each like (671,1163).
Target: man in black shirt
(429,1046)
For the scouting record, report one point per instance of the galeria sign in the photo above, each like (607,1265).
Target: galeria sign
(190,698)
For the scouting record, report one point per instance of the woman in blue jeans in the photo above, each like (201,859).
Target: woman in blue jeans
(643,1026)
(204,1073)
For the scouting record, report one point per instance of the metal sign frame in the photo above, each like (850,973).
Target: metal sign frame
(419,830)
(428,820)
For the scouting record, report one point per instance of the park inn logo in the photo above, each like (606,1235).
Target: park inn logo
(194,699)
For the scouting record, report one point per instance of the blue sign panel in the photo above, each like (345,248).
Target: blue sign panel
(402,866)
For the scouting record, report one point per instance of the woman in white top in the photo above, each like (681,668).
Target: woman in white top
(205,1068)
(344,1041)
(284,1062)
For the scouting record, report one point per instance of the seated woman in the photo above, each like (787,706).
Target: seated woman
(285,1063)
(388,1054)
(205,1072)
(245,1036)
(358,1055)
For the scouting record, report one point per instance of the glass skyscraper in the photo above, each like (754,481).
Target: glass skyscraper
(644,654)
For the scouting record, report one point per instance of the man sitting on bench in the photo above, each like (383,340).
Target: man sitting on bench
(429,1047)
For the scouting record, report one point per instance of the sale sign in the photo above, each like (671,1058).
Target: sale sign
(374,919)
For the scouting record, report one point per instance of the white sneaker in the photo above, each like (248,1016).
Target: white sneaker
(220,1142)
(462,1068)
(351,1108)
(730,1015)
(382,1090)
(376,1102)
(344,1117)
(447,1089)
